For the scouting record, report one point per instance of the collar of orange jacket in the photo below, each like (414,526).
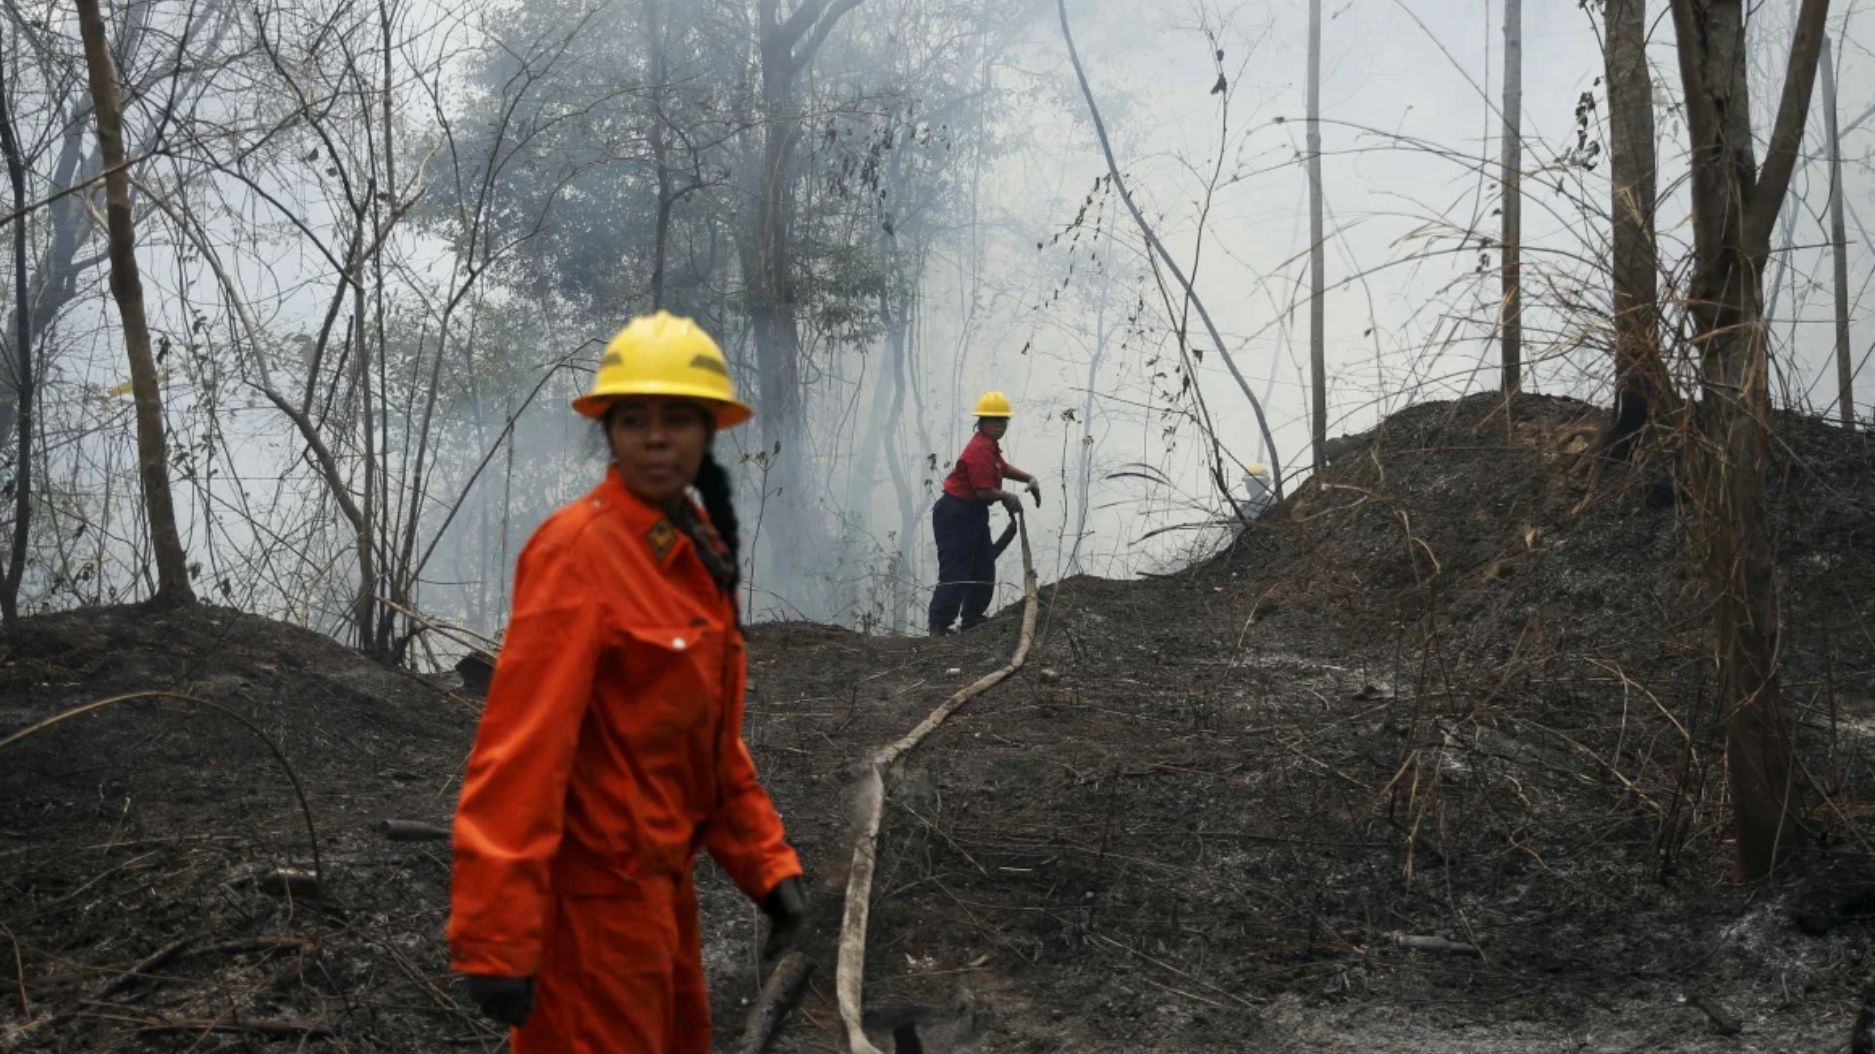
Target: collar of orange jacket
(643,519)
(653,525)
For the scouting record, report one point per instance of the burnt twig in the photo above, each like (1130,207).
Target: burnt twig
(411,831)
(157,959)
(1436,945)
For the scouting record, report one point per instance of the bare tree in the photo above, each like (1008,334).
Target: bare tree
(172,567)
(787,49)
(655,17)
(1318,251)
(1839,244)
(22,358)
(1511,178)
(1642,388)
(1157,248)
(1735,205)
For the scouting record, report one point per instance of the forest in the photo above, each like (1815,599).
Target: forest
(1442,619)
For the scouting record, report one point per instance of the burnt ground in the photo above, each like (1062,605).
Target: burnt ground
(1436,694)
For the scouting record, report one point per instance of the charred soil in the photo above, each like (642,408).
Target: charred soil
(1426,760)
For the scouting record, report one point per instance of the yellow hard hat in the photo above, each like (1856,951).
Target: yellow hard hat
(993,404)
(668,355)
(1256,468)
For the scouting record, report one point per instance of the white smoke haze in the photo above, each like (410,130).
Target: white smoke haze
(951,228)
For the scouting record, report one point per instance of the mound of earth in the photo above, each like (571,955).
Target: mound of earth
(1474,522)
(155,860)
(1426,761)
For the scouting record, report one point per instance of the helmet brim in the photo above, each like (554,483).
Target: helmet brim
(728,414)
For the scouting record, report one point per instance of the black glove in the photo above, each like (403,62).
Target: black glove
(1013,504)
(1035,491)
(786,908)
(506,1000)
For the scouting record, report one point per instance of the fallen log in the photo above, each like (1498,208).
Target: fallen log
(779,994)
(411,831)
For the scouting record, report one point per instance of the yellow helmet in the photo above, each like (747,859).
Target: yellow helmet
(669,355)
(1256,468)
(993,404)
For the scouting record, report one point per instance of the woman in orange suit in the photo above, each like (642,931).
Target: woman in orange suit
(611,748)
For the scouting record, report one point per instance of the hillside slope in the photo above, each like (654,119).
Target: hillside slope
(1425,698)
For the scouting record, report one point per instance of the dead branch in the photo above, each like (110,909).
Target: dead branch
(275,942)
(462,635)
(1435,945)
(156,960)
(849,977)
(283,1029)
(1152,240)
(19,973)
(280,882)
(411,831)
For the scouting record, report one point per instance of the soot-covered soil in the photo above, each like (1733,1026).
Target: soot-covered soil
(1434,697)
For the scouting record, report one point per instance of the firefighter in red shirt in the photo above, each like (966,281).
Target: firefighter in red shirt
(960,520)
(611,751)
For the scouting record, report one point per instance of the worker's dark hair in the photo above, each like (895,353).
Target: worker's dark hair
(719,501)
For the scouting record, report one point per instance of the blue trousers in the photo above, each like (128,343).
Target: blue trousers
(966,561)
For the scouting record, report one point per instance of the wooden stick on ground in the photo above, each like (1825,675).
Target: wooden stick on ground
(19,973)
(1435,945)
(779,994)
(279,1029)
(156,960)
(411,831)
(849,977)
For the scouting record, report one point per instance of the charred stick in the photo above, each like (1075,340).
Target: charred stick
(411,831)
(156,960)
(779,994)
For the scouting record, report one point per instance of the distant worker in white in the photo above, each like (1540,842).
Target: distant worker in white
(1258,494)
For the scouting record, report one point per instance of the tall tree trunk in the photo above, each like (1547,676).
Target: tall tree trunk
(883,416)
(1511,332)
(787,47)
(656,15)
(1735,205)
(1839,242)
(172,564)
(1318,253)
(774,326)
(1641,384)
(58,268)
(22,360)
(365,604)
(1084,469)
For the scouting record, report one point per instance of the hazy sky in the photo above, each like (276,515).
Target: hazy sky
(1409,100)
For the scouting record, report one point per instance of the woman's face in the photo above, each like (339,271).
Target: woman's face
(994,427)
(658,444)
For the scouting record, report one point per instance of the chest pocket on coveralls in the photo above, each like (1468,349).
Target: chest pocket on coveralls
(676,679)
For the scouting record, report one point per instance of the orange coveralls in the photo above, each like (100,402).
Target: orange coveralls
(610,750)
